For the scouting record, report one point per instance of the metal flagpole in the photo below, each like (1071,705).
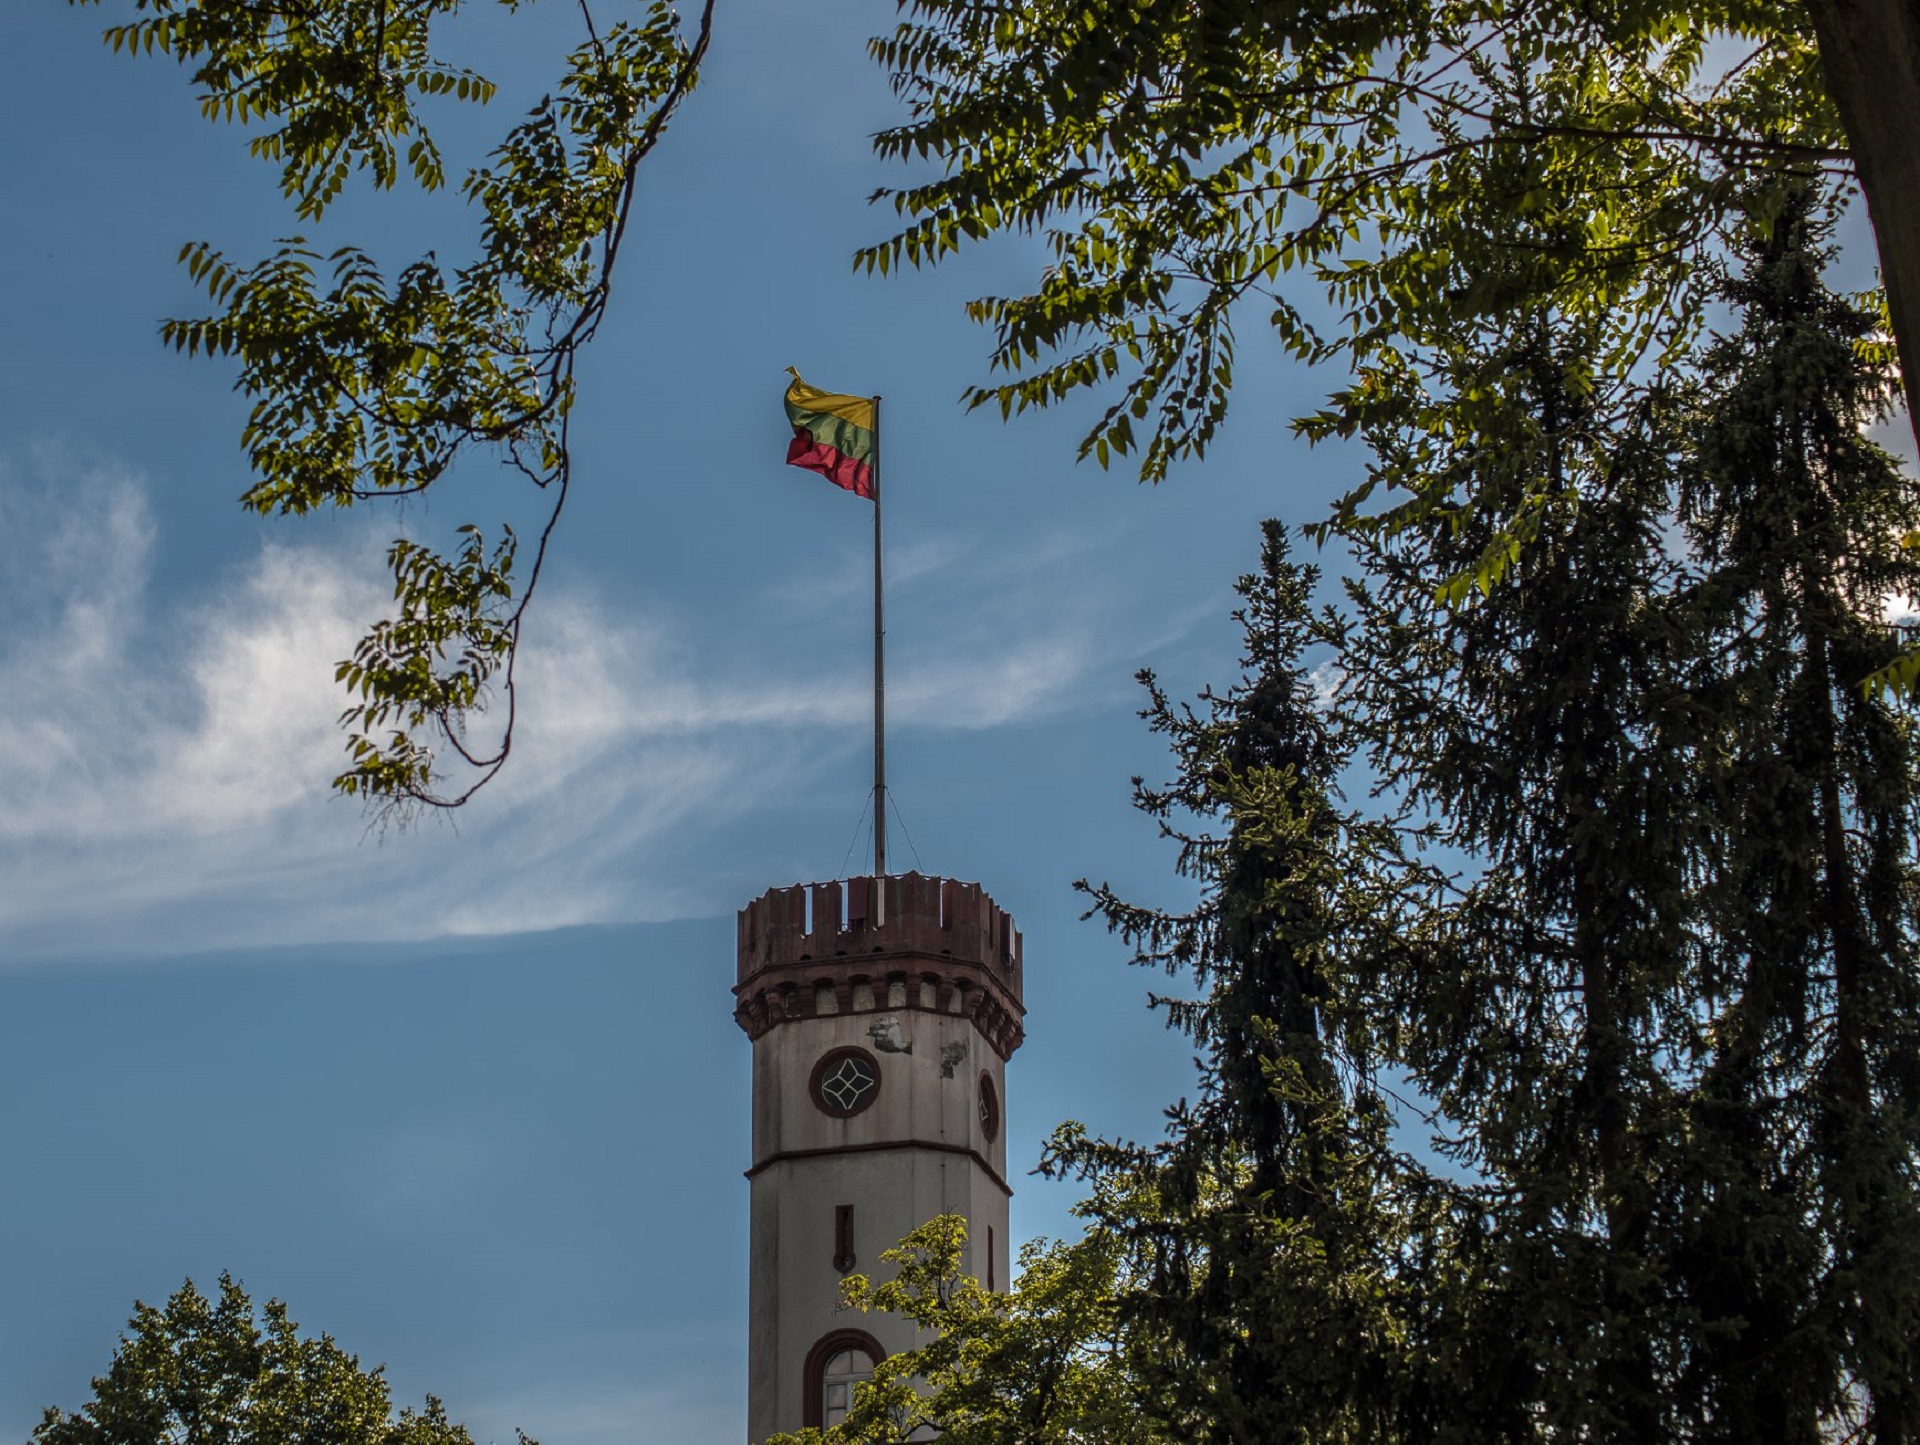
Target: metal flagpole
(879,675)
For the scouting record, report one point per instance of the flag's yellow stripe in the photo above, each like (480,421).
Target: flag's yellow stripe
(856,409)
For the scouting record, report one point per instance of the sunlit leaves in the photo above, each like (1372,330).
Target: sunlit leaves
(1358,175)
(365,387)
(366,384)
(556,188)
(1041,1364)
(332,85)
(429,667)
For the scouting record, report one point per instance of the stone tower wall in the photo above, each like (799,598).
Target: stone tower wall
(926,982)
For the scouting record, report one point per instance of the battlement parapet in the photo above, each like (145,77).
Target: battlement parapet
(902,941)
(905,913)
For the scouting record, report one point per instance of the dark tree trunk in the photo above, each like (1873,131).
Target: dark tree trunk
(1870,51)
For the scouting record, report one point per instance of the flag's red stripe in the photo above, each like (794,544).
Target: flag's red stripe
(842,470)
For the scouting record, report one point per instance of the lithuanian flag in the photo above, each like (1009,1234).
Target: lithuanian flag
(833,435)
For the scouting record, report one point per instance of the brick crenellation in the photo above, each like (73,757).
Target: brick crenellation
(926,943)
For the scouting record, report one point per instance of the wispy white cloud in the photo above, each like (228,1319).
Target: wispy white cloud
(164,765)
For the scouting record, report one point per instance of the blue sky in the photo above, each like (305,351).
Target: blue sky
(470,1098)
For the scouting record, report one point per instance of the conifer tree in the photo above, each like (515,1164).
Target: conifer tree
(1671,1022)
(1255,1277)
(1665,1010)
(1803,1257)
(1273,1238)
(1532,729)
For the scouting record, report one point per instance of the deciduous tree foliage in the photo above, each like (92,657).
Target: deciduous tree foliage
(369,386)
(1181,160)
(1039,1366)
(220,1372)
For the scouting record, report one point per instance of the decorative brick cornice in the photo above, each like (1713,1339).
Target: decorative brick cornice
(898,944)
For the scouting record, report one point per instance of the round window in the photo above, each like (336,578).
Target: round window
(989,1108)
(845,1081)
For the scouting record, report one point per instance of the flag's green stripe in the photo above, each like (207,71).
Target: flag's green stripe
(829,430)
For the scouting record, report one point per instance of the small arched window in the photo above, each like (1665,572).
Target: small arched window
(842,1360)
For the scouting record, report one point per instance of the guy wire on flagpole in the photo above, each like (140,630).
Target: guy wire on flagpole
(879,675)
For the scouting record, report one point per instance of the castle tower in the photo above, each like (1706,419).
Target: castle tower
(882,1013)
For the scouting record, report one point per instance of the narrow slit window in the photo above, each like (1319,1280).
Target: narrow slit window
(843,1257)
(991,1284)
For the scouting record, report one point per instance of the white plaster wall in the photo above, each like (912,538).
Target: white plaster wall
(930,1065)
